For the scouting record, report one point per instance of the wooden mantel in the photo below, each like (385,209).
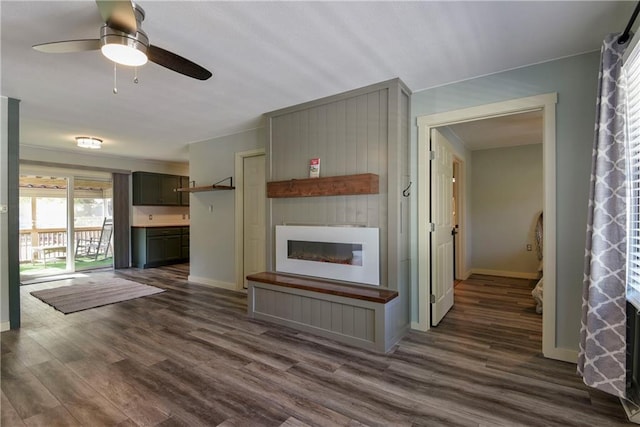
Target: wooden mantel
(366,183)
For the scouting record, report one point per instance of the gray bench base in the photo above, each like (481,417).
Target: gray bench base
(353,321)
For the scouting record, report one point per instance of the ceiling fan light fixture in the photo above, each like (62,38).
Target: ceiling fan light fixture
(88,142)
(123,48)
(124,55)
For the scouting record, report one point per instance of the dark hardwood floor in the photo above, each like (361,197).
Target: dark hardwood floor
(190,357)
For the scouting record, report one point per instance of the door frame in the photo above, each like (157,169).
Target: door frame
(239,194)
(459,272)
(546,103)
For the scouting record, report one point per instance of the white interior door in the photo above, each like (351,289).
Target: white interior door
(254,229)
(441,217)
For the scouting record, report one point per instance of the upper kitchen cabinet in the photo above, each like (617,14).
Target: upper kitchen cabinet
(154,189)
(184,196)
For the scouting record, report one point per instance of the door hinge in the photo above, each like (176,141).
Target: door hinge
(432,298)
(432,155)
(431,226)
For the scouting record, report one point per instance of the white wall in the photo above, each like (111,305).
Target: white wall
(71,157)
(212,240)
(506,200)
(4,200)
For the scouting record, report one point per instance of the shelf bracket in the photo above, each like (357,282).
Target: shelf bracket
(229,178)
(192,188)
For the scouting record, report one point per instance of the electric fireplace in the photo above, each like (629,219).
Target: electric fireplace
(341,253)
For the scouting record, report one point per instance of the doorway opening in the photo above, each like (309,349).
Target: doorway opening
(504,191)
(544,103)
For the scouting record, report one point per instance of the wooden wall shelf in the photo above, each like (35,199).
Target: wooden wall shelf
(205,188)
(213,187)
(366,183)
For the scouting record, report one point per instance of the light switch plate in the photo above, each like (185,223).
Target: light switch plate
(4,208)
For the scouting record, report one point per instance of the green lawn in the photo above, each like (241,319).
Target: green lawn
(59,265)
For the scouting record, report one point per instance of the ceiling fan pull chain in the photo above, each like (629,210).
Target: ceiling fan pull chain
(115,79)
(135,77)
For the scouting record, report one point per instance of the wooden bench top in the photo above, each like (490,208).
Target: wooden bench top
(366,293)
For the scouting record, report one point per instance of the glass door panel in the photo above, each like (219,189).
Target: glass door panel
(44,245)
(93,223)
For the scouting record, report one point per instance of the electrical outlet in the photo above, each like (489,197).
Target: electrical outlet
(184,216)
(150,217)
(529,247)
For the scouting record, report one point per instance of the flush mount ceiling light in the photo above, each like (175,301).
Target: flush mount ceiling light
(88,142)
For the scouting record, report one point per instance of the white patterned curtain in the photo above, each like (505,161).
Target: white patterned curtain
(602,358)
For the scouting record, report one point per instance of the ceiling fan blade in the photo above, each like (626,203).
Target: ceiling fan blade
(118,14)
(177,63)
(68,46)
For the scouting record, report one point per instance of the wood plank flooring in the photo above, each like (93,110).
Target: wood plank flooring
(190,357)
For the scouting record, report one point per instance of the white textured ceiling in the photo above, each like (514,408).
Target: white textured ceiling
(500,132)
(266,56)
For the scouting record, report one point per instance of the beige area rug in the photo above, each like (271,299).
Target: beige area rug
(69,299)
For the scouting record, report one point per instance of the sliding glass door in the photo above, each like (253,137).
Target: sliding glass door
(65,223)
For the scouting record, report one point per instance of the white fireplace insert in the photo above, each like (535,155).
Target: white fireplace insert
(351,254)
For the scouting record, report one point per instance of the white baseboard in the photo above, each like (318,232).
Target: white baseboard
(213,283)
(563,354)
(503,273)
(5,326)
(419,327)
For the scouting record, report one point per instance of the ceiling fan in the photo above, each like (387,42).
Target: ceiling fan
(123,41)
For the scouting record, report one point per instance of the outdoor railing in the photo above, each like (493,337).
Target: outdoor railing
(51,237)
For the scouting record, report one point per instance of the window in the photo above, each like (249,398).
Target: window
(631,72)
(25,213)
(91,212)
(53,212)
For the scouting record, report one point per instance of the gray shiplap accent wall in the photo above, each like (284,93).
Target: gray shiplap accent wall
(338,317)
(362,131)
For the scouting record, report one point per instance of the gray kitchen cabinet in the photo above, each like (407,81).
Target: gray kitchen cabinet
(156,246)
(156,189)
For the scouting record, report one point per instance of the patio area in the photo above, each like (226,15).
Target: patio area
(44,251)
